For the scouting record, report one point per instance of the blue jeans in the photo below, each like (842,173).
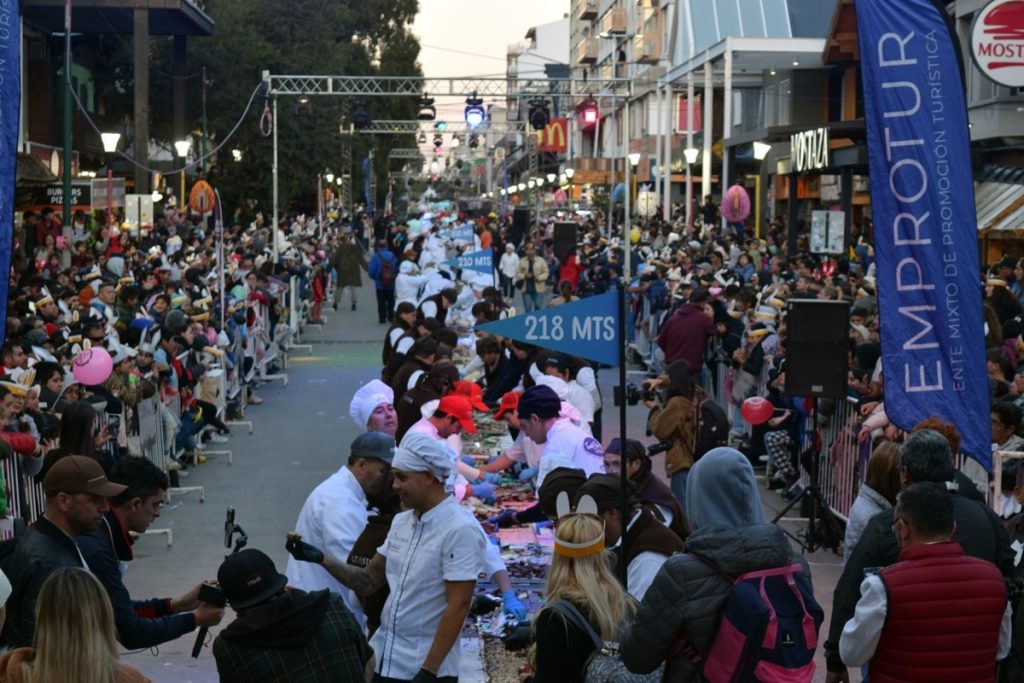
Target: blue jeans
(532,301)
(678,485)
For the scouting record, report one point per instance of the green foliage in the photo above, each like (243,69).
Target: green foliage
(317,37)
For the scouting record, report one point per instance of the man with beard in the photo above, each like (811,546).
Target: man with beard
(335,513)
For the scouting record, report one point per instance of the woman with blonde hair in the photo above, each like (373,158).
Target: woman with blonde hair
(877,493)
(74,636)
(580,575)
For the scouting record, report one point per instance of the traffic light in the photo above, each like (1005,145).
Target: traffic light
(588,112)
(475,113)
(359,114)
(539,114)
(427,110)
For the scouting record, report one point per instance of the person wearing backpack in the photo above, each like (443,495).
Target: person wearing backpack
(674,423)
(902,620)
(678,620)
(383,270)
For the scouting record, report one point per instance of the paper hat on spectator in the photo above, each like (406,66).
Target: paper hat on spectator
(366,399)
(40,301)
(758,330)
(19,381)
(122,353)
(766,314)
(995,282)
(584,548)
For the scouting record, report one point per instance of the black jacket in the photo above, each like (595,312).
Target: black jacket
(41,551)
(978,530)
(140,623)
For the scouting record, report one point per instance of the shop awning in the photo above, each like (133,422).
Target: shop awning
(999,199)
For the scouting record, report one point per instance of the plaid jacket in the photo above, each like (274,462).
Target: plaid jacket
(336,651)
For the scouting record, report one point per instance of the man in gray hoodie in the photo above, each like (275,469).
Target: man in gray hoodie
(724,508)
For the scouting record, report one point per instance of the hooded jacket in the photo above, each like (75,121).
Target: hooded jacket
(297,637)
(687,596)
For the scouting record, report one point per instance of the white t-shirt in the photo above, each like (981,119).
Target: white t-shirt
(570,446)
(423,552)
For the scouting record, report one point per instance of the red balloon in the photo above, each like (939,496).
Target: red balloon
(757,410)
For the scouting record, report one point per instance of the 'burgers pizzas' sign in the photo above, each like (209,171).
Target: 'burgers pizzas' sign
(997,42)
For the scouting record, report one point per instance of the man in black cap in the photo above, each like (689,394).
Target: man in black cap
(283,633)
(76,499)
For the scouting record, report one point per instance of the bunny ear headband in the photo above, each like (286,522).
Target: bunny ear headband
(586,506)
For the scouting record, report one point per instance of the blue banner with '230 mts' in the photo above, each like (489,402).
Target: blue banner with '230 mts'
(933,350)
(10,106)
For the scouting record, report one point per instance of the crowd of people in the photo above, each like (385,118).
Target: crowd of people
(676,575)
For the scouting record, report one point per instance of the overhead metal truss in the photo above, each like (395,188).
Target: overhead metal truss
(406,153)
(391,86)
(414,127)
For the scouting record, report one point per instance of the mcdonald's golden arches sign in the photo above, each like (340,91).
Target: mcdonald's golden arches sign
(554,137)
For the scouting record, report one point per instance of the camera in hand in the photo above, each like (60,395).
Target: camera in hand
(660,447)
(633,394)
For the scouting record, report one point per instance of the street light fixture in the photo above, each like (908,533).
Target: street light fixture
(109,147)
(236,154)
(761,150)
(552,177)
(329,177)
(182,147)
(569,173)
(634,158)
(531,184)
(521,186)
(691,154)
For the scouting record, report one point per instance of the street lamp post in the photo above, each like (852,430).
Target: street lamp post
(182,147)
(110,141)
(691,154)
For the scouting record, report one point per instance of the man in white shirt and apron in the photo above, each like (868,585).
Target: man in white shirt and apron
(431,561)
(335,514)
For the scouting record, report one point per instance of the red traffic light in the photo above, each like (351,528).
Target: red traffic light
(588,112)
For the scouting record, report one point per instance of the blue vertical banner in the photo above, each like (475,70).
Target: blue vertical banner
(368,184)
(922,202)
(10,108)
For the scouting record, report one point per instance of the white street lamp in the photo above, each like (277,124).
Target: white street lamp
(110,141)
(691,154)
(569,173)
(634,158)
(761,150)
(329,177)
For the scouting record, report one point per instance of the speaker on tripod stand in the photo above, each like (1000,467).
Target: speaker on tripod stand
(817,347)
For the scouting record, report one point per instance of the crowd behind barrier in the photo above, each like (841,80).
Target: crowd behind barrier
(150,427)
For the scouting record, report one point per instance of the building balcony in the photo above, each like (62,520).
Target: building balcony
(586,51)
(586,10)
(647,48)
(615,22)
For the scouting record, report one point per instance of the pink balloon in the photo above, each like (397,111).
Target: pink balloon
(92,366)
(757,410)
(736,204)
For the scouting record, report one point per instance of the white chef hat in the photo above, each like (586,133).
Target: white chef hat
(420,452)
(367,398)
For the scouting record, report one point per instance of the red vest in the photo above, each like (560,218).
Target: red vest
(943,618)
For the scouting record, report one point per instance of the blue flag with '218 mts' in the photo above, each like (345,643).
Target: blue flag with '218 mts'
(10,108)
(922,203)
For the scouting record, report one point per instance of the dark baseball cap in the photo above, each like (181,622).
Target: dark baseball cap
(374,446)
(559,361)
(79,474)
(699,296)
(539,400)
(249,578)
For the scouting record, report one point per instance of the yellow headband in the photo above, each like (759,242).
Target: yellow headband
(577,550)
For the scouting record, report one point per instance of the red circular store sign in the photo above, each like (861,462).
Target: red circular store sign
(997,42)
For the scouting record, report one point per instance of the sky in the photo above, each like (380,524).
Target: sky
(483,28)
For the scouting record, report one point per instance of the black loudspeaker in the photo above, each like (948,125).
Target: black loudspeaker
(520,225)
(565,240)
(817,347)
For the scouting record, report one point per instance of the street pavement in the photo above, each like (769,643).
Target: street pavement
(301,436)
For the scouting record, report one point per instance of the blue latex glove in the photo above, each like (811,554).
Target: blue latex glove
(513,605)
(503,520)
(468,459)
(528,473)
(492,477)
(484,492)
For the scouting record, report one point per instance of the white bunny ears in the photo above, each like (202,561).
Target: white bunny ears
(586,506)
